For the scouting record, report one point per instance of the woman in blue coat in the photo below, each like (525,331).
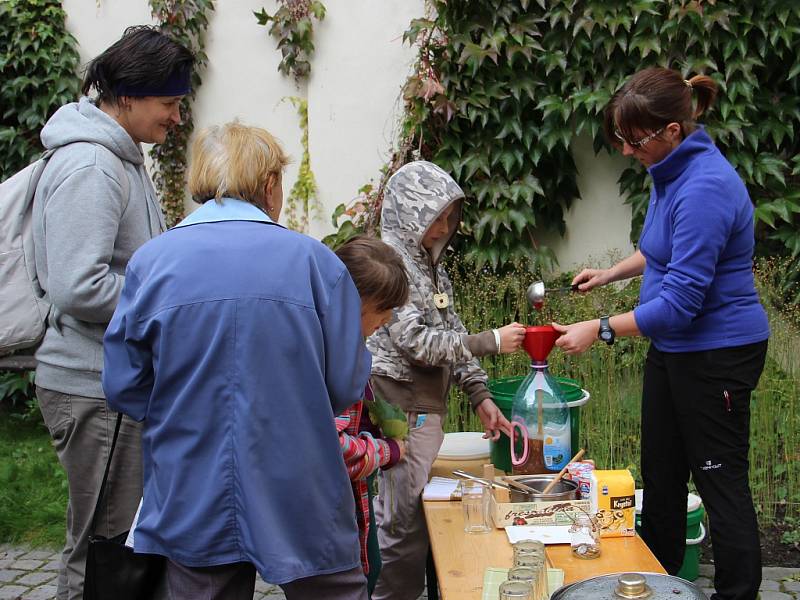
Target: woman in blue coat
(236,342)
(708,331)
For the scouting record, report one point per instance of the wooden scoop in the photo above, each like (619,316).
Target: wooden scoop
(558,477)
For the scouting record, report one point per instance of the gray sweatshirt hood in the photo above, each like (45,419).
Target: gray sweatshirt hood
(415,196)
(83,122)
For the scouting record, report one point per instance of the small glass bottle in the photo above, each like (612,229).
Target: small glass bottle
(584,537)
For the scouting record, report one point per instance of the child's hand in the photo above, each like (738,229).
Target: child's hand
(511,337)
(493,420)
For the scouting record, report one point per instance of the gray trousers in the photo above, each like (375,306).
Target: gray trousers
(82,430)
(237,582)
(402,532)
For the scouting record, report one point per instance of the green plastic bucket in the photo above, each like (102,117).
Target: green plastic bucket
(503,391)
(695,534)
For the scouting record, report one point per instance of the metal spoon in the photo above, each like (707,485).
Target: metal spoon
(464,474)
(536,291)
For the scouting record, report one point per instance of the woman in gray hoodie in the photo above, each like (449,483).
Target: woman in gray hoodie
(94,206)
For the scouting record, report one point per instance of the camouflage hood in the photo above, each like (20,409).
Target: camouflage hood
(415,196)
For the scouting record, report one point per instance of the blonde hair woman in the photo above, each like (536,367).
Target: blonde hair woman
(236,341)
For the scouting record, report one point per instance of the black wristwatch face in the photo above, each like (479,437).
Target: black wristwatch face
(606,333)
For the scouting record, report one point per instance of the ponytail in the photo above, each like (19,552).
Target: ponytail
(705,91)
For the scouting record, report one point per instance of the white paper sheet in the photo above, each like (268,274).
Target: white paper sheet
(129,540)
(549,534)
(441,488)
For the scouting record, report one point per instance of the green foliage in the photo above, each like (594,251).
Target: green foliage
(186,22)
(33,486)
(502,88)
(302,203)
(38,73)
(293,28)
(610,421)
(16,389)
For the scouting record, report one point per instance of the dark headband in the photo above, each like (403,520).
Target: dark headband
(177,84)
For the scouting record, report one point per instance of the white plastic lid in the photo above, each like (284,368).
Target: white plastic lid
(693,501)
(464,445)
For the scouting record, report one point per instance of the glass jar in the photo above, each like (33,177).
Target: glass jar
(534,547)
(584,537)
(530,576)
(515,590)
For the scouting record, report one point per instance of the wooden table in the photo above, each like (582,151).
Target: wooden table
(462,558)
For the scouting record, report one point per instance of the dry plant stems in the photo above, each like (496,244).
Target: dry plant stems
(302,203)
(610,422)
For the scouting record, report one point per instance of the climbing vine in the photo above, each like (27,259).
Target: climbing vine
(302,203)
(186,22)
(293,28)
(502,89)
(39,72)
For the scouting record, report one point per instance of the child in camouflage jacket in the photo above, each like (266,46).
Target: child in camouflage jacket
(416,356)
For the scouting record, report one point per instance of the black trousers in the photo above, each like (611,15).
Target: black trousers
(696,420)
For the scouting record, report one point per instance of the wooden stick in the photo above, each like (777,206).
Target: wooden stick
(553,483)
(520,486)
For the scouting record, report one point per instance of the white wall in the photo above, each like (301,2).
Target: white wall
(599,223)
(354,103)
(354,94)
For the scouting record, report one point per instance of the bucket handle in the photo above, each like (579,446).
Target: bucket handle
(698,539)
(523,431)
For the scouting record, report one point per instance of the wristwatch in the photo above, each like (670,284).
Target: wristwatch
(606,333)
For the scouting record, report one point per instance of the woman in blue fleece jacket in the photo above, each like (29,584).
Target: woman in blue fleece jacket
(699,307)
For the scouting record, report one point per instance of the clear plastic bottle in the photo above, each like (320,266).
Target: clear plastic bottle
(540,406)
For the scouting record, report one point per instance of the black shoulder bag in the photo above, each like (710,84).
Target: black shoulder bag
(114,571)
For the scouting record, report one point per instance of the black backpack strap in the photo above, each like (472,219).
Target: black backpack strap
(105,474)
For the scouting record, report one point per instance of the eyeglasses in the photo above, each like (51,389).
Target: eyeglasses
(639,143)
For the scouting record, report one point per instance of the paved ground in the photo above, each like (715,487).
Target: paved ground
(27,574)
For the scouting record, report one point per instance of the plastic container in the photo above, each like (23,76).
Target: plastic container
(466,450)
(503,391)
(695,534)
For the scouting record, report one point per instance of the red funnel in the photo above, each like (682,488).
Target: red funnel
(539,341)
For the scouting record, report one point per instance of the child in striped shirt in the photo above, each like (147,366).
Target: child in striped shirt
(380,277)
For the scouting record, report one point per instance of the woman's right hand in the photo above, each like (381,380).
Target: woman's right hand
(589,279)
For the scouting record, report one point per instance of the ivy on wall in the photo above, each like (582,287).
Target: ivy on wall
(302,203)
(186,22)
(38,73)
(293,28)
(503,88)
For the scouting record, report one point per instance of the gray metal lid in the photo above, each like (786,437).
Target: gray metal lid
(631,586)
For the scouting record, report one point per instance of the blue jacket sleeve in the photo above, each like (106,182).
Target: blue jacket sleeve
(128,364)
(702,219)
(347,361)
